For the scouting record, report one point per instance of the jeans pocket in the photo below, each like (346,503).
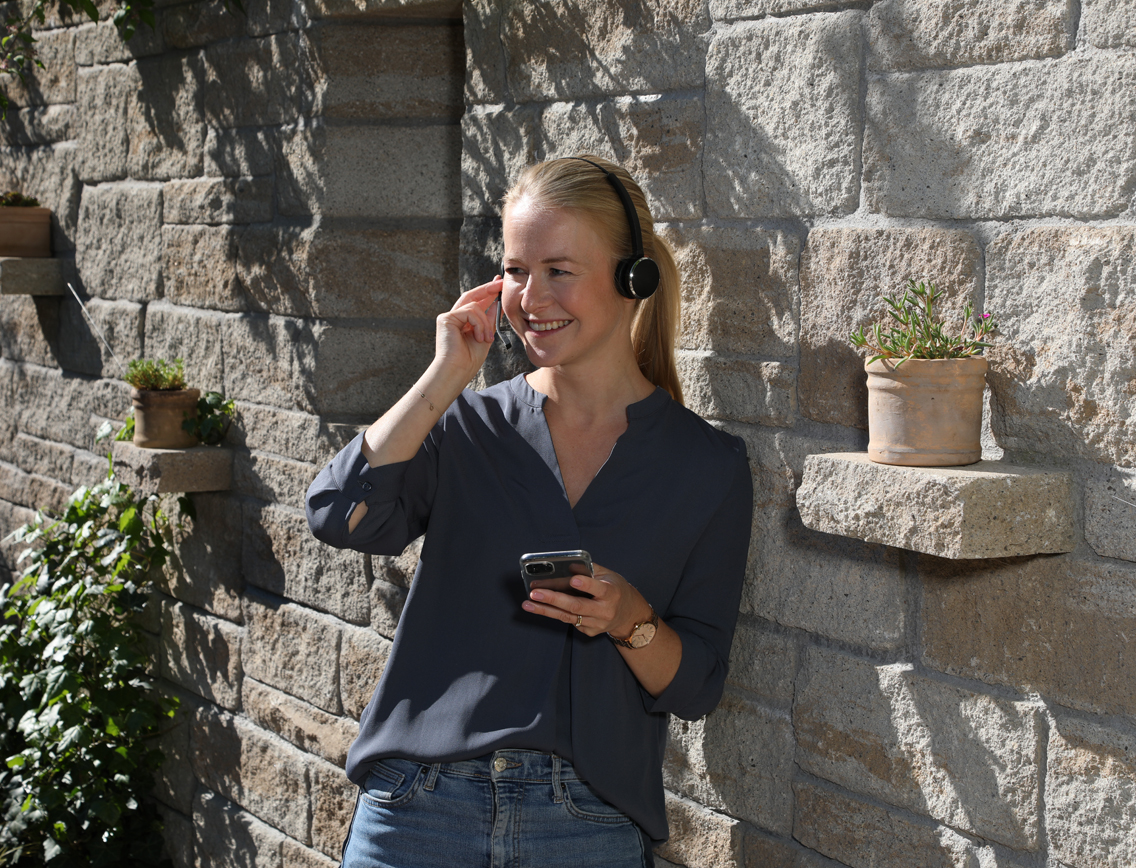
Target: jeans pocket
(582,802)
(392,782)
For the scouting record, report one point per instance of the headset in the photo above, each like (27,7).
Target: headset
(637,276)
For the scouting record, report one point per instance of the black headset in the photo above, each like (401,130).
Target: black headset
(637,276)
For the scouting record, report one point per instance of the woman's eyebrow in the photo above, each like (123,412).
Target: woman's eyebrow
(548,260)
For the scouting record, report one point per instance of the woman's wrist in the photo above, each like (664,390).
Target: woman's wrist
(440,385)
(641,611)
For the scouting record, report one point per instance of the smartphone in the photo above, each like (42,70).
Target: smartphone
(554,570)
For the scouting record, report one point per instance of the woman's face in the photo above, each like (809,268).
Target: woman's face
(559,290)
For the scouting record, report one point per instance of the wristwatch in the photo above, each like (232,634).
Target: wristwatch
(641,634)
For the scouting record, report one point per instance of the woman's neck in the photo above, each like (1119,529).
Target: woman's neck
(590,396)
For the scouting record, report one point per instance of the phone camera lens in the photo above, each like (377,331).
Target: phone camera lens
(539,568)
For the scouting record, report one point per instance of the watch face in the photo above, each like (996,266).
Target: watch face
(643,635)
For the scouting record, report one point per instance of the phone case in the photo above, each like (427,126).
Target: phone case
(553,570)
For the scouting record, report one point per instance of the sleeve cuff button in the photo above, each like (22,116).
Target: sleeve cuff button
(366,486)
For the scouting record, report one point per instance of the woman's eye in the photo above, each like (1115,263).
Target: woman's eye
(514,271)
(558,272)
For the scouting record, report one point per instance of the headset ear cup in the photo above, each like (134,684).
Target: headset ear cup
(623,278)
(637,278)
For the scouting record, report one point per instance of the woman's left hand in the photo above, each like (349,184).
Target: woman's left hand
(616,607)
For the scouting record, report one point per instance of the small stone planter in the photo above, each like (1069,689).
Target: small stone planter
(926,412)
(158,416)
(25,231)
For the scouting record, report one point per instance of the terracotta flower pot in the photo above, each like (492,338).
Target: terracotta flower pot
(926,412)
(25,231)
(158,416)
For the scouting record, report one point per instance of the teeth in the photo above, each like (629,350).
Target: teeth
(548,326)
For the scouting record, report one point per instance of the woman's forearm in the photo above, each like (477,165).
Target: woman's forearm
(398,433)
(655,665)
(462,339)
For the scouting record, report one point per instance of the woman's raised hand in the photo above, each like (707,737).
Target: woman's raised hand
(465,332)
(462,339)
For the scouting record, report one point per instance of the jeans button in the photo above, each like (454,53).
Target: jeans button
(500,764)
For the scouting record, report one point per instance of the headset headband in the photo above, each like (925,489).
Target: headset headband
(628,206)
(637,276)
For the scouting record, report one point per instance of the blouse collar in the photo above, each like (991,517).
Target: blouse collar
(653,403)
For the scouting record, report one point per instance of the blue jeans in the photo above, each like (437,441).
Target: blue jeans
(509,809)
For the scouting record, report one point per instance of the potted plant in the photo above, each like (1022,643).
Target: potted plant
(25,227)
(925,383)
(162,404)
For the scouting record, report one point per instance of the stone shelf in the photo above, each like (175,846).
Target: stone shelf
(986,510)
(31,276)
(162,471)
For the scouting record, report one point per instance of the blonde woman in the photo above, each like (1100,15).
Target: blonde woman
(528,729)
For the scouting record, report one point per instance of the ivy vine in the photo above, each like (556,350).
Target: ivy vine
(80,713)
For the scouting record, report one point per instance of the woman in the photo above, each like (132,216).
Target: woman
(529,730)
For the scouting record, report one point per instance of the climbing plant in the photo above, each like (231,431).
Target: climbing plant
(79,711)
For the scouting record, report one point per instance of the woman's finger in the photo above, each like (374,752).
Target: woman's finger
(469,319)
(483,295)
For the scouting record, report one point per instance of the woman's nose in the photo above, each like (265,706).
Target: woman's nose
(534,294)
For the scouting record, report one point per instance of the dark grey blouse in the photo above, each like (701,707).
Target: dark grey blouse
(471,672)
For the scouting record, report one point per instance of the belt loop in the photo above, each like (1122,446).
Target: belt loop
(557,793)
(432,778)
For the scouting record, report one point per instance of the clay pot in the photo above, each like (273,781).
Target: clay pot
(926,412)
(25,231)
(158,416)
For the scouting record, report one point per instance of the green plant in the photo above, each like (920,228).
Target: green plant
(13,199)
(155,374)
(80,710)
(214,415)
(919,334)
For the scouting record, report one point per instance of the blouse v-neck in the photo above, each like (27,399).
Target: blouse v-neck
(540,436)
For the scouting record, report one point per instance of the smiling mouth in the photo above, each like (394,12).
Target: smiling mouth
(551,325)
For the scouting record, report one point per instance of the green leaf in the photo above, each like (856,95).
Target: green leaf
(130,523)
(51,849)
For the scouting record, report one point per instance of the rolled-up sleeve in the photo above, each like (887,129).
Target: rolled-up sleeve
(704,608)
(398,498)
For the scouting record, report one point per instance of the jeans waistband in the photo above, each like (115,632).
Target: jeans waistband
(511,765)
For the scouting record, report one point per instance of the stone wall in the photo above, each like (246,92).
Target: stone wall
(276,199)
(287,198)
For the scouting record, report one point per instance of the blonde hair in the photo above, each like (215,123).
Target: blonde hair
(574,184)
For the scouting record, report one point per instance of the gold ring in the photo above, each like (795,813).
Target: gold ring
(579,620)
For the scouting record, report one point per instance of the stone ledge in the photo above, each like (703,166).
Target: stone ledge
(162,471)
(984,510)
(20,275)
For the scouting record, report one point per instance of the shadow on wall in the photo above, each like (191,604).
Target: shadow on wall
(572,67)
(169,107)
(881,732)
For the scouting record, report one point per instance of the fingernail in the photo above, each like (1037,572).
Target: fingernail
(528,607)
(537,595)
(577,583)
